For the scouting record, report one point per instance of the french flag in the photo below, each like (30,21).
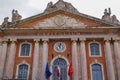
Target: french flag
(58,71)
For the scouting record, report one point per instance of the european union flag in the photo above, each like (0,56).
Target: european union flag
(47,72)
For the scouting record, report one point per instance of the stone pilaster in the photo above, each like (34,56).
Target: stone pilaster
(117,57)
(109,60)
(44,57)
(11,59)
(3,58)
(75,59)
(35,75)
(83,59)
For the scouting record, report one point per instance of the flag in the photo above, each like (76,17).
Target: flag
(47,71)
(58,71)
(70,70)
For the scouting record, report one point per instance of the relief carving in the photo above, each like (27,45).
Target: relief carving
(60,21)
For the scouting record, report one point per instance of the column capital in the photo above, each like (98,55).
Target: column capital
(13,40)
(107,39)
(4,40)
(116,38)
(82,39)
(37,40)
(45,39)
(74,38)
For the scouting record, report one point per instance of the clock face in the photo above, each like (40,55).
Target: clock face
(59,47)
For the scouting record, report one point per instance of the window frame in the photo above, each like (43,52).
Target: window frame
(100,55)
(21,48)
(101,69)
(18,69)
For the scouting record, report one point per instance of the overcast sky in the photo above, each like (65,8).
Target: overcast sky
(28,8)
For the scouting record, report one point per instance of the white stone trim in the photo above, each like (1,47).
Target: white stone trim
(30,49)
(99,49)
(36,28)
(59,56)
(96,62)
(24,62)
(62,36)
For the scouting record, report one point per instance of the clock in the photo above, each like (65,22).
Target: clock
(59,47)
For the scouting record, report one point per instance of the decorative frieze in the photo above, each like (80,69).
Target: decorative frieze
(58,31)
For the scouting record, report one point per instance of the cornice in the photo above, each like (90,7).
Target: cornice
(59,32)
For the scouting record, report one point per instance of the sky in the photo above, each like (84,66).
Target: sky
(28,8)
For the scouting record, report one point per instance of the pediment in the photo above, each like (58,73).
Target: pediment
(60,21)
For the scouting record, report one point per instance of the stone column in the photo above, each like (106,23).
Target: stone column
(35,75)
(75,59)
(11,59)
(83,59)
(117,57)
(109,61)
(3,58)
(44,57)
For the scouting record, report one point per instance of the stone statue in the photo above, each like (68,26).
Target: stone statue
(114,19)
(5,22)
(106,15)
(49,5)
(15,16)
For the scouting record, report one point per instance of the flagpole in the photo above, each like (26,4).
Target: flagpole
(59,66)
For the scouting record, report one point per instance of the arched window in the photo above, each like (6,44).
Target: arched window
(63,69)
(97,72)
(94,49)
(22,71)
(25,50)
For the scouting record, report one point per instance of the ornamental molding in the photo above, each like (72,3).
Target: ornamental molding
(53,33)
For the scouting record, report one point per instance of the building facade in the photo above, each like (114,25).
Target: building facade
(58,36)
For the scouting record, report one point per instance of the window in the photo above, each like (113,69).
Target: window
(97,72)
(63,69)
(23,71)
(25,50)
(94,49)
